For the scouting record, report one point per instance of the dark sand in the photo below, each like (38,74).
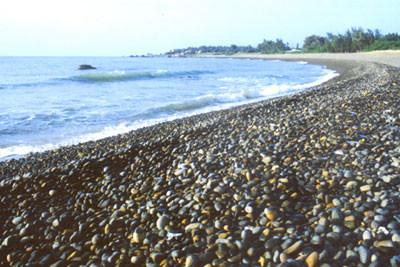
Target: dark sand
(310,179)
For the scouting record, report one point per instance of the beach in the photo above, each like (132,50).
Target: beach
(309,179)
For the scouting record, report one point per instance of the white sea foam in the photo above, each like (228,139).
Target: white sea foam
(232,91)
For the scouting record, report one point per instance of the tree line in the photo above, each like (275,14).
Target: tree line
(353,40)
(215,50)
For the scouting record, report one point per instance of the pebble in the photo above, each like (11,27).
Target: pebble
(336,216)
(162,222)
(294,248)
(311,178)
(312,259)
(365,188)
(191,261)
(364,254)
(270,214)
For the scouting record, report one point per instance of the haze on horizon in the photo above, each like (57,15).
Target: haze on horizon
(123,27)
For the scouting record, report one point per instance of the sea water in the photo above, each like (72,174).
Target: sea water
(46,102)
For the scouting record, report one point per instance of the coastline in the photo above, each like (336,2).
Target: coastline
(300,178)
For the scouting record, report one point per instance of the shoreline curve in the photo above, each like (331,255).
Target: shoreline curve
(292,180)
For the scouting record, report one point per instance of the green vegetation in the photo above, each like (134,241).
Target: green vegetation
(214,50)
(353,40)
(390,41)
(271,47)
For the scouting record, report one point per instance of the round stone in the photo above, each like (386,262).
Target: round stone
(162,222)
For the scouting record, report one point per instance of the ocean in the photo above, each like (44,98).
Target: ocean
(46,102)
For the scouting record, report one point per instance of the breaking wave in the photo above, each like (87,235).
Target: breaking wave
(122,76)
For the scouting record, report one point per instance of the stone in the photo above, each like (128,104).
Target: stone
(365,188)
(336,216)
(192,226)
(191,261)
(312,259)
(351,255)
(17,220)
(384,245)
(137,259)
(270,214)
(316,240)
(350,222)
(294,248)
(396,238)
(138,235)
(86,67)
(162,222)
(367,235)
(364,254)
(320,229)
(157,257)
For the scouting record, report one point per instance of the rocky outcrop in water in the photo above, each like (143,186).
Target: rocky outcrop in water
(86,67)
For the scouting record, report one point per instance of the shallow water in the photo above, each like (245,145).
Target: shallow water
(46,102)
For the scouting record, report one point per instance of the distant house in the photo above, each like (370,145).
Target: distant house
(293,51)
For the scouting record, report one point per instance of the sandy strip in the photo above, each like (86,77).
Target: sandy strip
(391,57)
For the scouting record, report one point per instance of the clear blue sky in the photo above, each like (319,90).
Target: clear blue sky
(125,27)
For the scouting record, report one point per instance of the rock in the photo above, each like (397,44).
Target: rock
(367,235)
(191,261)
(294,248)
(364,254)
(350,221)
(138,235)
(192,226)
(365,188)
(385,246)
(96,239)
(395,261)
(320,229)
(351,255)
(59,263)
(162,222)
(396,238)
(312,259)
(246,235)
(157,257)
(316,240)
(270,214)
(137,260)
(86,67)
(336,216)
(17,220)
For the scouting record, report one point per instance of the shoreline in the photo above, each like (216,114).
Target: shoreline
(307,179)
(191,107)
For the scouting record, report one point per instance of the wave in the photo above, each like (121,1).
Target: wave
(28,84)
(217,101)
(122,76)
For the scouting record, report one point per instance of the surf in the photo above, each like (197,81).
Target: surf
(122,76)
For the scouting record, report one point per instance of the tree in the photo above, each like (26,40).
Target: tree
(313,42)
(269,47)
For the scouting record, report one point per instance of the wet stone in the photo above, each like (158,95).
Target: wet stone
(364,254)
(320,229)
(336,216)
(17,220)
(162,222)
(191,261)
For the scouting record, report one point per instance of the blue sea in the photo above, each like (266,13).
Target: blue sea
(46,102)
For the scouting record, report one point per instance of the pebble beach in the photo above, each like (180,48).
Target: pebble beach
(309,179)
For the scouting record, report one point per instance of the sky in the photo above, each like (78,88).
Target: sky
(136,27)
